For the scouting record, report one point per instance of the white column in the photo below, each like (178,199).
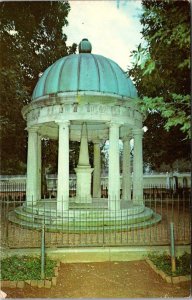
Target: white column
(63,167)
(126,179)
(97,170)
(32,171)
(114,168)
(39,162)
(138,167)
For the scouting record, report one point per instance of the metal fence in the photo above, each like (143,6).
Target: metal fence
(17,191)
(172,208)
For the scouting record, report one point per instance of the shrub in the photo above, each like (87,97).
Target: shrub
(163,262)
(25,268)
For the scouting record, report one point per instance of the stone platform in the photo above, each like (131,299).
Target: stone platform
(88,217)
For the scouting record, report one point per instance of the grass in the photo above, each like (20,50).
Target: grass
(25,268)
(163,262)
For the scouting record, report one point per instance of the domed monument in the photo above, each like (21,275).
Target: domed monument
(86,98)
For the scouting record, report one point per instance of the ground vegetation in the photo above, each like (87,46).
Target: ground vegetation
(25,268)
(163,262)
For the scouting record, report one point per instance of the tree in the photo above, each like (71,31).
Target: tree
(32,38)
(161,72)
(162,147)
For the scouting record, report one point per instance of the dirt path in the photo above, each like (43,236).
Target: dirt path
(105,280)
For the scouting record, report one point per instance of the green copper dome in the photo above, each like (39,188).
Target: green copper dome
(84,72)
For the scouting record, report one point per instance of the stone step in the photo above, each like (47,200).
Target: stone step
(88,219)
(92,221)
(50,209)
(75,228)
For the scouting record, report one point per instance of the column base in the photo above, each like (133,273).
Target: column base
(138,202)
(83,200)
(62,204)
(126,198)
(114,204)
(31,201)
(97,195)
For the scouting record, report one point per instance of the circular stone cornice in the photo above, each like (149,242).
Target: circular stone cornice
(95,112)
(80,98)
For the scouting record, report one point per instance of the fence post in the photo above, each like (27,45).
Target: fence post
(43,250)
(7,222)
(173,263)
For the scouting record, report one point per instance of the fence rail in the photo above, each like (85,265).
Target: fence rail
(172,209)
(17,191)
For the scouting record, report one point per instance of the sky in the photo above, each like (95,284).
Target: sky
(112,27)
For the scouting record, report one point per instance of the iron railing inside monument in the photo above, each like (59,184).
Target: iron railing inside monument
(174,209)
(17,191)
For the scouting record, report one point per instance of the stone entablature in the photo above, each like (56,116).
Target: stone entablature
(47,110)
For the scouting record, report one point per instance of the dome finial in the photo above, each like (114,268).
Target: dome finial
(85,46)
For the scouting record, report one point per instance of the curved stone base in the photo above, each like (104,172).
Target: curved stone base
(90,218)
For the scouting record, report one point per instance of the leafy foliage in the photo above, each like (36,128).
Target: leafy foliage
(170,111)
(25,268)
(163,147)
(32,38)
(161,71)
(163,262)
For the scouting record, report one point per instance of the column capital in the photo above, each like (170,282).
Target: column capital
(32,129)
(127,136)
(96,141)
(64,123)
(114,124)
(137,131)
